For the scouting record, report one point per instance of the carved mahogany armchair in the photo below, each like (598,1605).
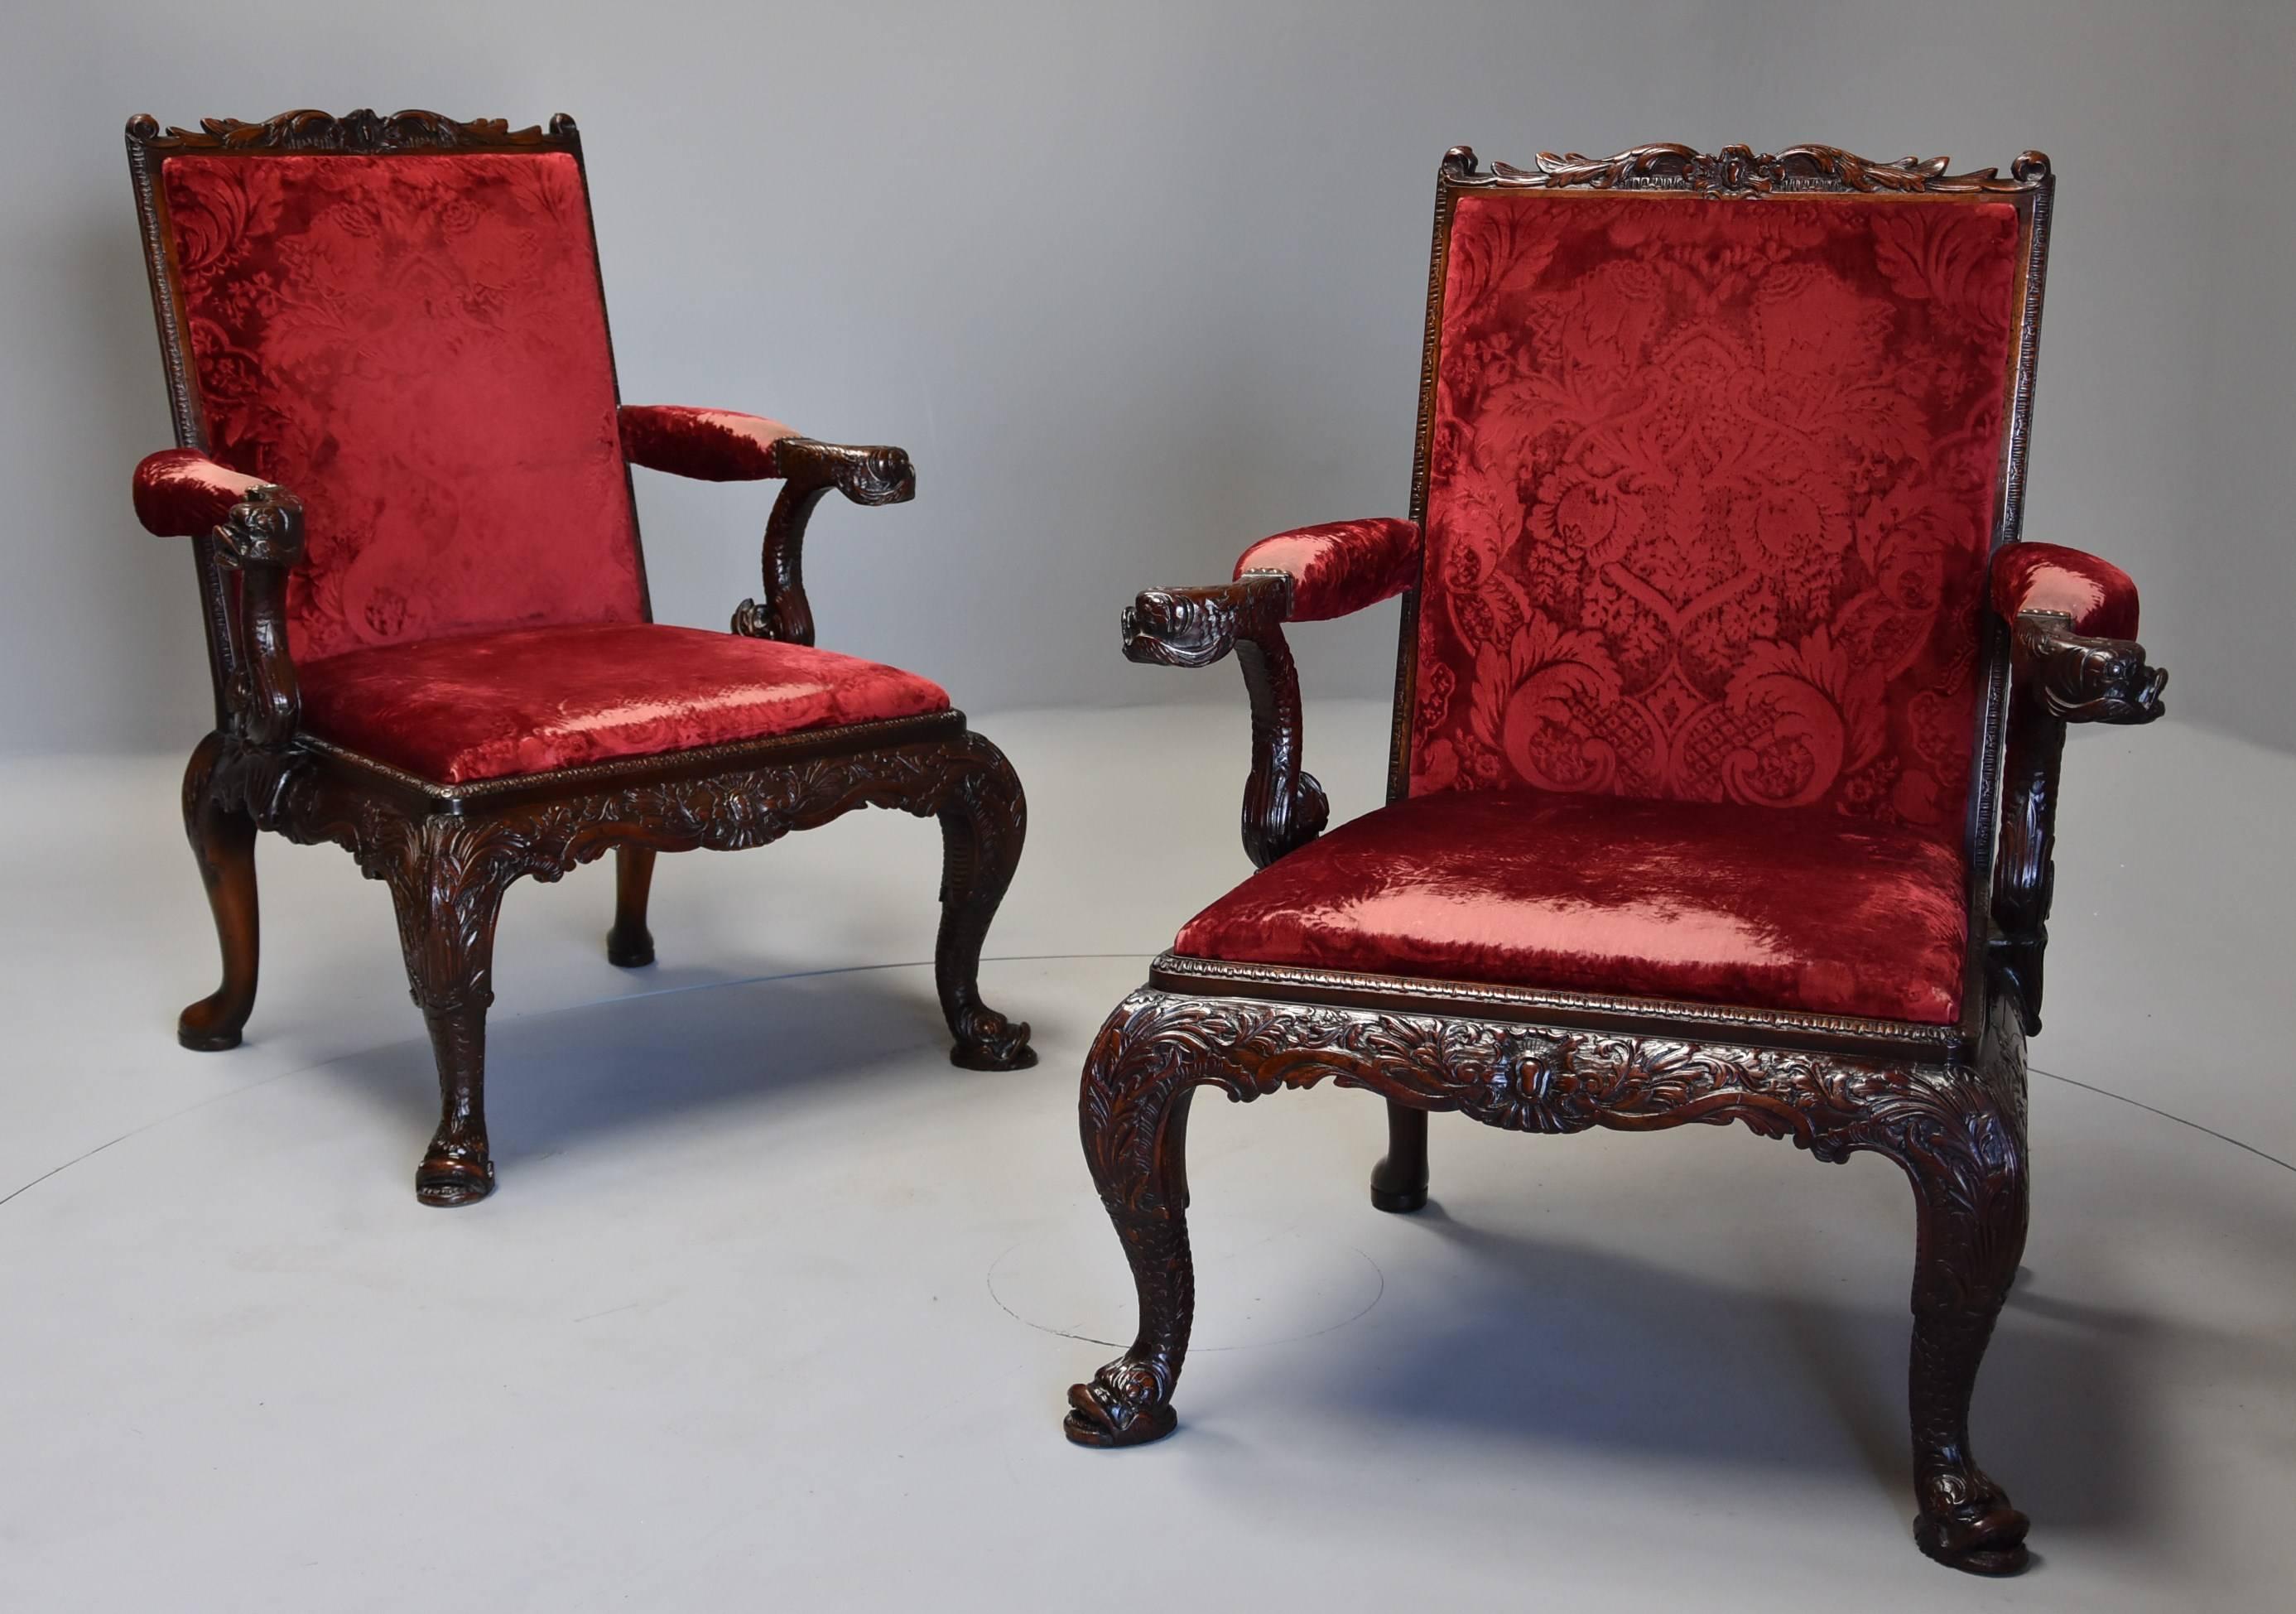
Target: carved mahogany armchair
(403,471)
(1727,733)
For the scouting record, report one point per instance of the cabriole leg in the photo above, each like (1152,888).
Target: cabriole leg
(447,907)
(1398,1182)
(222,840)
(1970,1192)
(1135,1136)
(982,829)
(629,944)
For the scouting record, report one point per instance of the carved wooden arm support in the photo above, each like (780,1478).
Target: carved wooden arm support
(2057,675)
(809,470)
(1283,806)
(724,445)
(1306,575)
(256,530)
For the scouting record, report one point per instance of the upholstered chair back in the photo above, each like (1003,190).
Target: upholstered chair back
(1711,482)
(414,342)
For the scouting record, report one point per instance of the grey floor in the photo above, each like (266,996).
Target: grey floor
(774,1309)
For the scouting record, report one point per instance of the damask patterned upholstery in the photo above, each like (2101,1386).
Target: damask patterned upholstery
(488,705)
(415,345)
(1711,493)
(1691,900)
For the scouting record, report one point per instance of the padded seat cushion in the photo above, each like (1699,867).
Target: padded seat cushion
(1759,907)
(493,705)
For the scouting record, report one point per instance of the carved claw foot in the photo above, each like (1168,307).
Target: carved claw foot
(629,949)
(457,1171)
(1125,1404)
(990,1042)
(212,1024)
(1966,1523)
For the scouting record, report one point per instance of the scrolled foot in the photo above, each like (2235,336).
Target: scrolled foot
(212,1024)
(1127,1404)
(457,1171)
(988,1040)
(1966,1523)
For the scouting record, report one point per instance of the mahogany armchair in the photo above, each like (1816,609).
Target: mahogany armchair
(402,468)
(1727,723)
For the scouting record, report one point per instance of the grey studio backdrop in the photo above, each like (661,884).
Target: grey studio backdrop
(1138,284)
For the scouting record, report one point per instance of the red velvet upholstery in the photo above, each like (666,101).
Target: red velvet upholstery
(708,445)
(2098,596)
(414,346)
(1708,902)
(180,493)
(1341,566)
(1712,487)
(487,705)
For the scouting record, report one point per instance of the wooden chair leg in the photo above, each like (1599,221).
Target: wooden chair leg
(222,840)
(1972,1203)
(1398,1182)
(629,944)
(982,828)
(448,899)
(1135,1136)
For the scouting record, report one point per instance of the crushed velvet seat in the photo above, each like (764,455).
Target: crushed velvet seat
(1727,725)
(538,699)
(403,470)
(1707,902)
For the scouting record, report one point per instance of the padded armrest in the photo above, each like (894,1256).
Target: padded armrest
(180,493)
(2073,648)
(708,445)
(2099,597)
(258,532)
(1340,566)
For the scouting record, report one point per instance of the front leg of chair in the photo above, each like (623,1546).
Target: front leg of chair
(983,823)
(1967,1157)
(222,834)
(1133,1110)
(629,945)
(448,886)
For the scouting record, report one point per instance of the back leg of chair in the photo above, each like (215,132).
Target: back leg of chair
(222,840)
(1398,1182)
(629,944)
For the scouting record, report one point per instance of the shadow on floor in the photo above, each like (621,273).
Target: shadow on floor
(1556,1348)
(585,1073)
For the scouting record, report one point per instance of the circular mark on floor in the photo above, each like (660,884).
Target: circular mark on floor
(1258,1282)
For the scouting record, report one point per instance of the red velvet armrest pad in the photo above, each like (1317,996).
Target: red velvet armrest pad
(2096,595)
(708,445)
(1341,566)
(180,493)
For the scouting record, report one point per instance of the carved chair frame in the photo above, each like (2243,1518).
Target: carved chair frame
(1946,1103)
(448,852)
